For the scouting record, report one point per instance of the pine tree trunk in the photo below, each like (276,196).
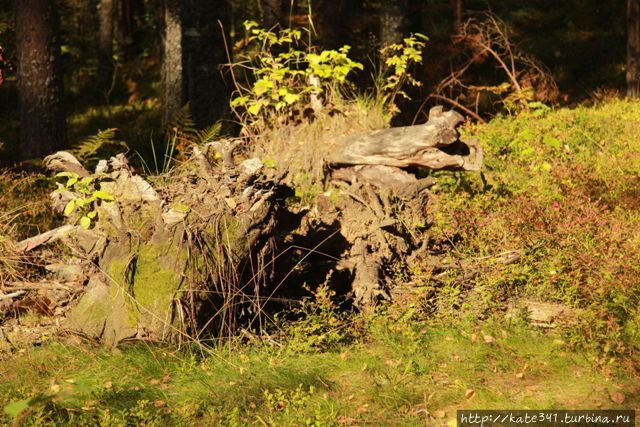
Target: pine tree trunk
(633,49)
(172,61)
(105,45)
(42,119)
(392,21)
(458,12)
(128,35)
(274,13)
(204,52)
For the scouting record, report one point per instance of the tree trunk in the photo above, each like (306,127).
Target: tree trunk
(127,26)
(172,60)
(105,45)
(274,13)
(42,119)
(204,52)
(392,21)
(458,12)
(633,48)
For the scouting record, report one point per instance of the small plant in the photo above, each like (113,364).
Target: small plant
(85,199)
(99,146)
(284,76)
(320,326)
(397,59)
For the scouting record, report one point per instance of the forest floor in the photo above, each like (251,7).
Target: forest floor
(562,187)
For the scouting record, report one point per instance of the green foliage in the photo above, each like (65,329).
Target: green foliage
(284,76)
(377,382)
(320,326)
(99,146)
(562,186)
(82,207)
(398,58)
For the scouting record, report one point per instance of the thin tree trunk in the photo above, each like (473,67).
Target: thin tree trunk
(204,52)
(392,21)
(172,61)
(128,35)
(42,118)
(458,12)
(633,48)
(105,44)
(332,23)
(274,12)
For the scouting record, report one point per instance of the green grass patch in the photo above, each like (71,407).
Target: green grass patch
(401,375)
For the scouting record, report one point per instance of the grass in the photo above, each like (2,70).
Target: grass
(562,186)
(391,378)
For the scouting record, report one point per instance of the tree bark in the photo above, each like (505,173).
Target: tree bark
(392,21)
(433,145)
(42,118)
(204,52)
(458,12)
(172,61)
(105,44)
(633,49)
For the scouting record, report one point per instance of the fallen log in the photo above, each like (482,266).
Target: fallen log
(433,145)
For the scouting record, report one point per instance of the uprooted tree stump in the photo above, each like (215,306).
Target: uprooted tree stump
(204,248)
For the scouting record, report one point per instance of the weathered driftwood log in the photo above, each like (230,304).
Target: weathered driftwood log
(433,145)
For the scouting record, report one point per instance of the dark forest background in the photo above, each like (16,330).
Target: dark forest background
(80,66)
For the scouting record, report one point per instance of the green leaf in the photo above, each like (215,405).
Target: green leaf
(103,195)
(66,175)
(254,109)
(92,214)
(241,100)
(291,98)
(70,207)
(85,222)
(72,180)
(262,86)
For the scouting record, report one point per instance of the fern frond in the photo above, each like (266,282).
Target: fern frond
(101,145)
(208,134)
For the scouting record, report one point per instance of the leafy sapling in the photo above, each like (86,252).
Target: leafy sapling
(81,209)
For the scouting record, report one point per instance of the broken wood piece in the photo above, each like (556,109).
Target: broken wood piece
(433,145)
(546,315)
(63,161)
(46,237)
(12,295)
(44,285)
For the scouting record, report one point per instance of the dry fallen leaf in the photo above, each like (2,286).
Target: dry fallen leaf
(469,393)
(108,384)
(439,414)
(474,337)
(617,397)
(154,381)
(521,373)
(159,403)
(488,339)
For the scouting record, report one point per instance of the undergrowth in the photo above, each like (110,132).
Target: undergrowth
(562,187)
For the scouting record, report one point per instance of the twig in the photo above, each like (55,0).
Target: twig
(12,295)
(460,106)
